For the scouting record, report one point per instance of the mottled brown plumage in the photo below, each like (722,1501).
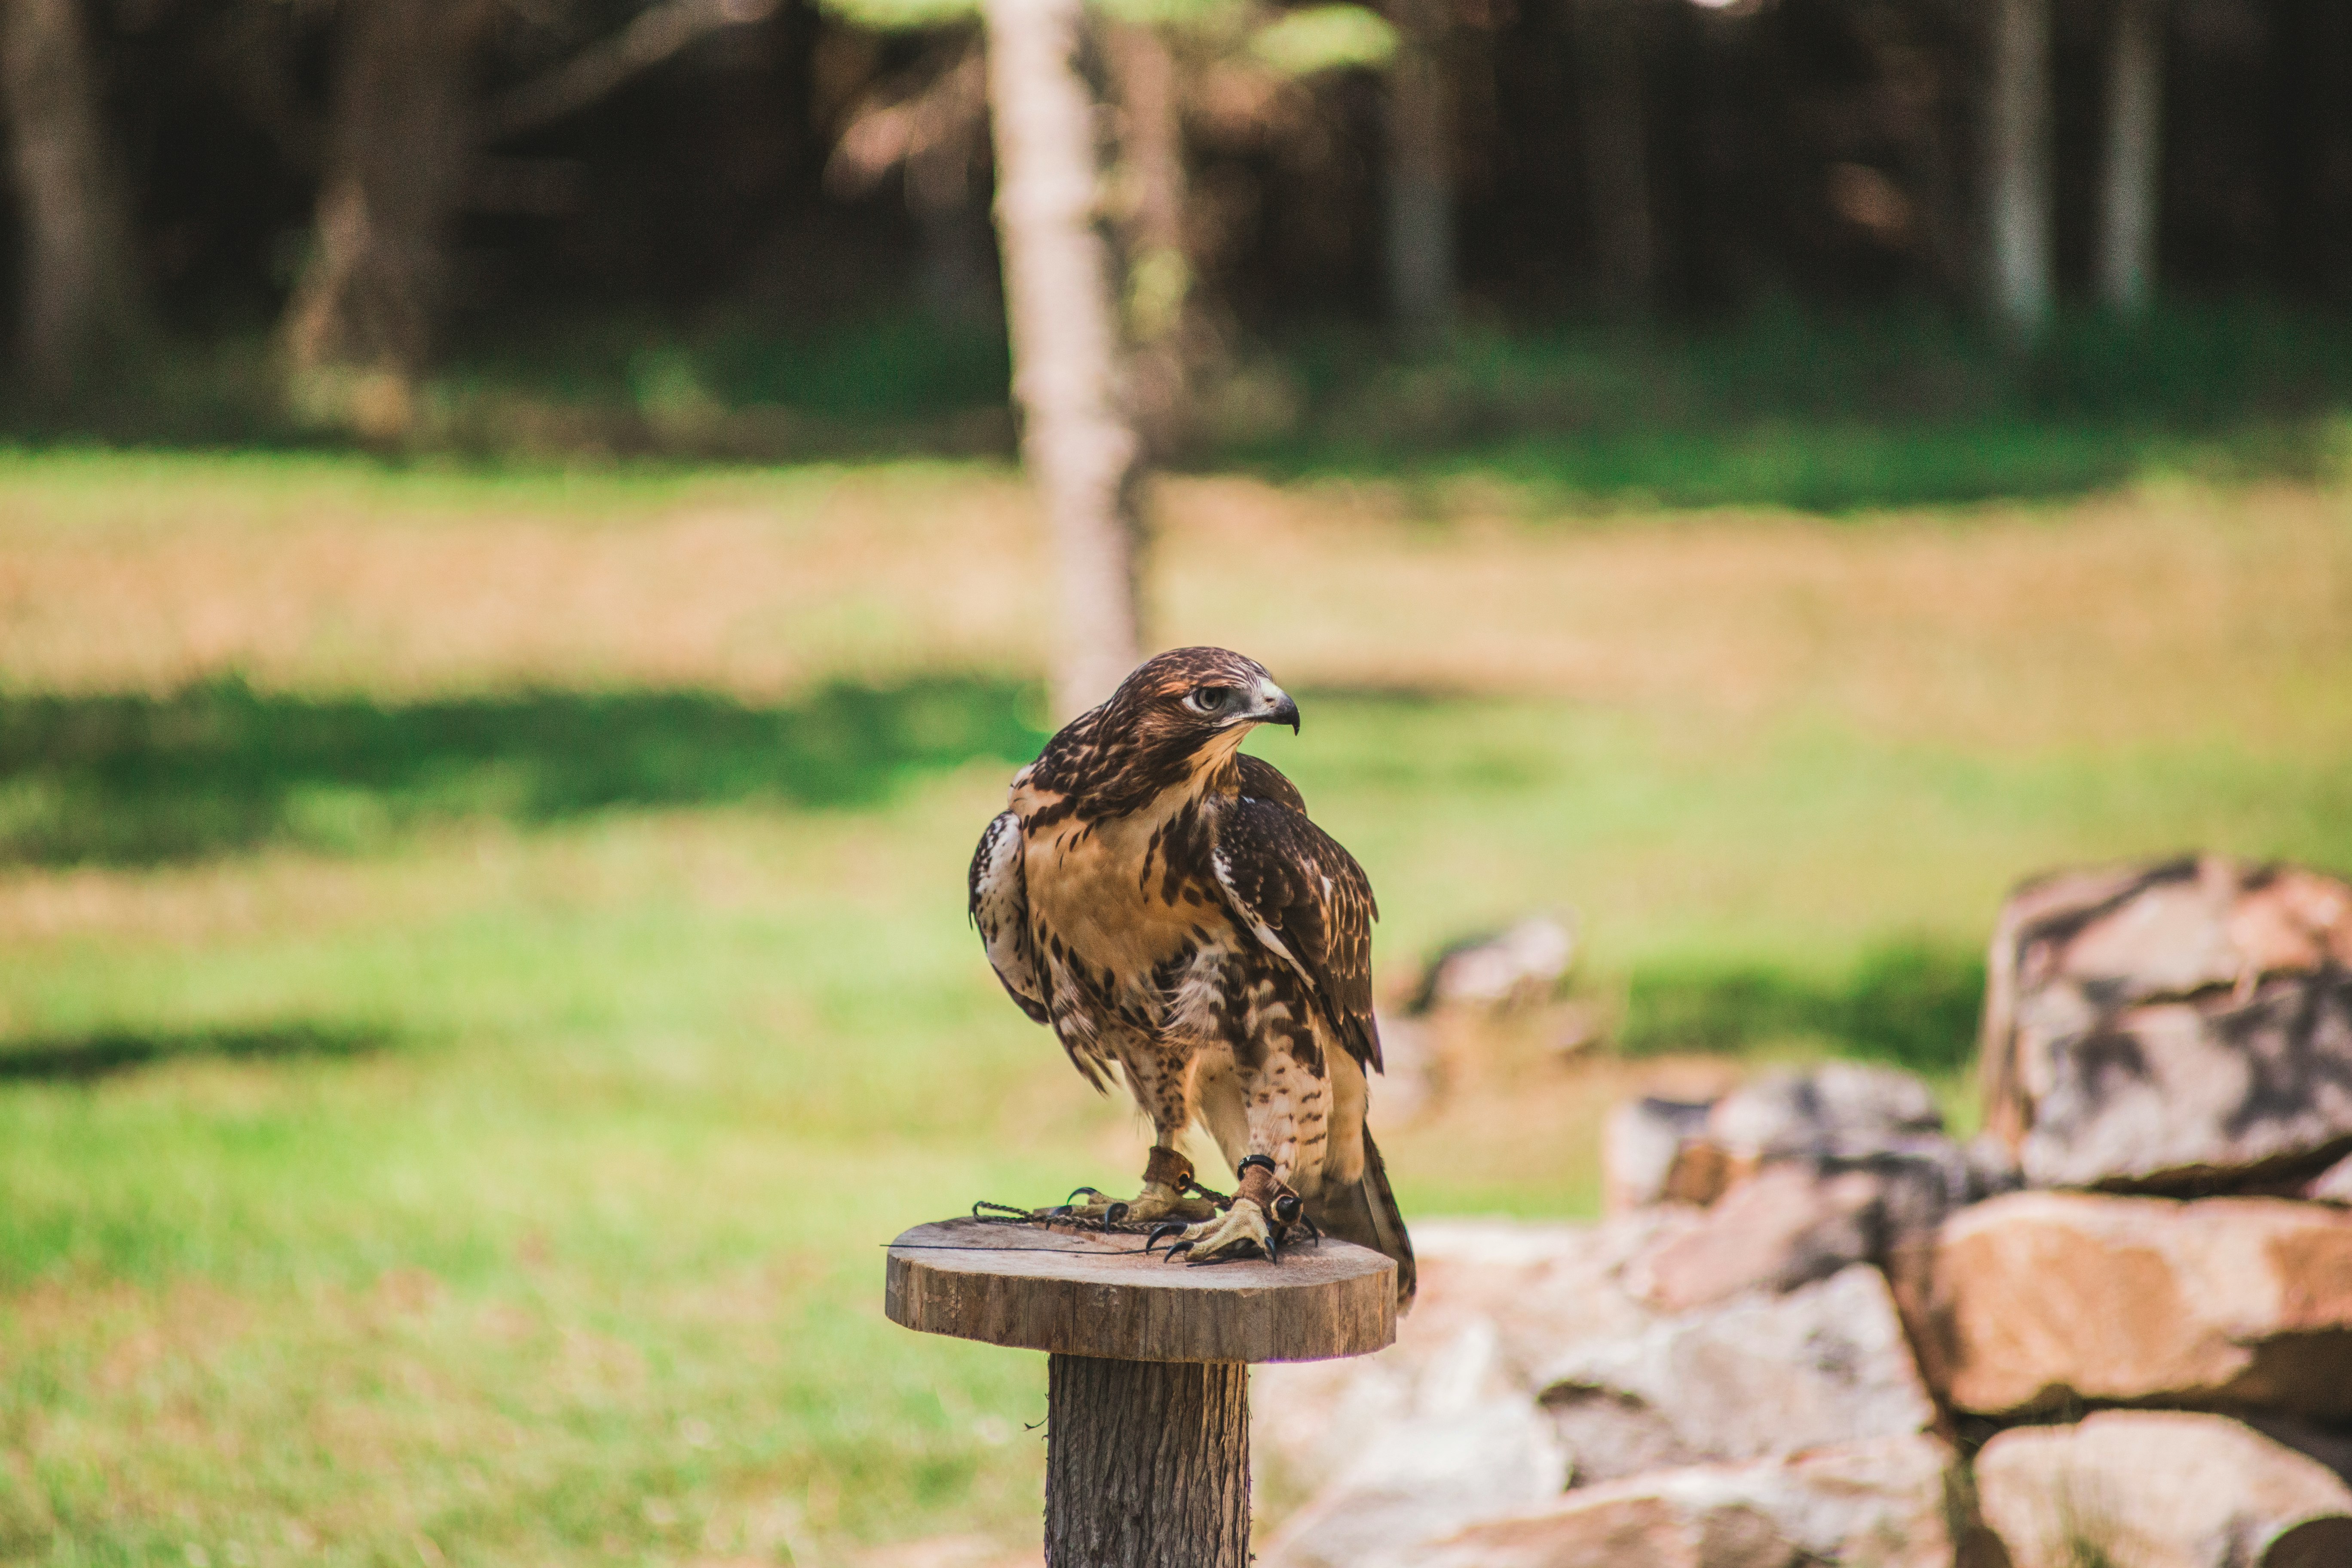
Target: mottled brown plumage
(1165,904)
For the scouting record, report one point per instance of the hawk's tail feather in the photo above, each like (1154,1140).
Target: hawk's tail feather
(1366,1212)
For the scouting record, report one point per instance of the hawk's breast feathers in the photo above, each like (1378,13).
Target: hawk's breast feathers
(1132,858)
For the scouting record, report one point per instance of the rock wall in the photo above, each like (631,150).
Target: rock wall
(1816,1330)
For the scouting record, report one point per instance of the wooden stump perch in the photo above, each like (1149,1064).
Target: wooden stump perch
(1148,1410)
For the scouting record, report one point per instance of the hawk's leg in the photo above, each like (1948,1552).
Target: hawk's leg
(1263,1213)
(1285,1121)
(1167,1178)
(1159,1073)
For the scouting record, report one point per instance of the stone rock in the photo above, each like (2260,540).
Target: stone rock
(1522,964)
(1498,1299)
(1638,1146)
(1804,1217)
(1417,1482)
(1783,1227)
(2147,1488)
(2332,1186)
(1839,1110)
(2331,1447)
(2039,1300)
(2179,1027)
(1838,1106)
(1761,1376)
(1869,1505)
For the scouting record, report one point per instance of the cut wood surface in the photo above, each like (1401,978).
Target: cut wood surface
(1096,1295)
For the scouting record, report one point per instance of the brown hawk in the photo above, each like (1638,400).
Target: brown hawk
(1163,902)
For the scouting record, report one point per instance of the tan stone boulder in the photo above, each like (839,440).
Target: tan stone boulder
(1640,1142)
(1838,1110)
(2039,1299)
(2332,1186)
(1761,1376)
(2180,1027)
(2147,1488)
(1803,1217)
(1410,1483)
(1837,1106)
(1498,1300)
(1783,1227)
(1868,1505)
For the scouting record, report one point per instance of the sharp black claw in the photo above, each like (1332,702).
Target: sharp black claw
(1172,1227)
(1076,1191)
(1059,1211)
(1114,1214)
(1181,1246)
(1314,1231)
(1273,1253)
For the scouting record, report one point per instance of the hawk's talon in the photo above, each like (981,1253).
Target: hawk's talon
(1156,1202)
(1180,1246)
(1090,1192)
(1172,1227)
(1240,1232)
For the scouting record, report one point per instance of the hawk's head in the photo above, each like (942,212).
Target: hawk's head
(1190,700)
(1179,714)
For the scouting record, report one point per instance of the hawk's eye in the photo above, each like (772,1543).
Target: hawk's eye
(1210,698)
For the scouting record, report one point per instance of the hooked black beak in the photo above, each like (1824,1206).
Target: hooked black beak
(1284,711)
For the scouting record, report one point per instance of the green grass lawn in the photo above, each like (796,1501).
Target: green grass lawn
(447,1120)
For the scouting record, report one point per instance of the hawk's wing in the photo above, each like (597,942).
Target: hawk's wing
(1000,907)
(1261,780)
(1307,899)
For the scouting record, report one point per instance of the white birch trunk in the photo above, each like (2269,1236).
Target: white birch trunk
(2134,164)
(80,288)
(2017,188)
(1080,451)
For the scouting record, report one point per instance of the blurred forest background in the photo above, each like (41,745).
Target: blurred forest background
(516,598)
(1591,238)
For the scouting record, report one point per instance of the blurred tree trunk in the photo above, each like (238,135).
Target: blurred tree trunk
(2135,150)
(1616,132)
(2018,152)
(81,294)
(1421,282)
(1158,268)
(401,135)
(1080,452)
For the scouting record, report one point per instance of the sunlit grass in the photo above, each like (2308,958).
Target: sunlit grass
(507,1184)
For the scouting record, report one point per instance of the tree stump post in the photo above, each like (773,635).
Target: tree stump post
(1147,1451)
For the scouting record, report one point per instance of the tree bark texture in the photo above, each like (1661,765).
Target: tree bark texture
(1420,240)
(1147,1464)
(1158,268)
(1081,453)
(81,286)
(401,135)
(2018,154)
(2133,172)
(1614,123)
